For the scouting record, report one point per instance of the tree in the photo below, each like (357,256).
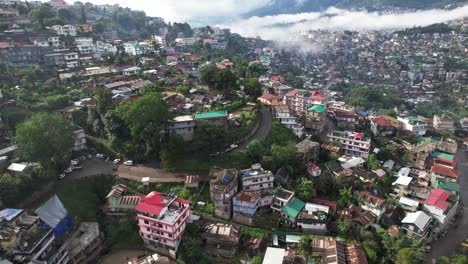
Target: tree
(44,138)
(372,162)
(460,259)
(444,260)
(41,14)
(256,260)
(346,197)
(255,150)
(256,69)
(253,88)
(344,228)
(406,256)
(304,189)
(305,246)
(208,74)
(171,152)
(209,136)
(147,119)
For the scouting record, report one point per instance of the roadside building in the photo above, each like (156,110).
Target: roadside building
(217,116)
(441,207)
(256,178)
(119,204)
(183,126)
(223,187)
(416,124)
(417,225)
(162,219)
(192,181)
(79,138)
(308,150)
(315,118)
(284,116)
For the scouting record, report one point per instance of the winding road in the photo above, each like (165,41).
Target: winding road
(266,122)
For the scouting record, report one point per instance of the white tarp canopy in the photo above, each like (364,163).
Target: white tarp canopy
(52,212)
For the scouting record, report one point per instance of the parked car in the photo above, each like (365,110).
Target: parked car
(68,170)
(128,163)
(62,176)
(74,162)
(100,155)
(78,167)
(116,161)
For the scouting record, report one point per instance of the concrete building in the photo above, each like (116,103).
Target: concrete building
(314,218)
(72,60)
(284,116)
(280,199)
(85,245)
(223,187)
(222,240)
(417,125)
(308,150)
(380,127)
(372,203)
(315,118)
(418,225)
(299,101)
(183,126)
(245,205)
(22,55)
(256,178)
(79,138)
(133,49)
(440,206)
(85,45)
(162,219)
(353,143)
(441,122)
(65,30)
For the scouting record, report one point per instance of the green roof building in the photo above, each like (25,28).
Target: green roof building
(291,210)
(221,116)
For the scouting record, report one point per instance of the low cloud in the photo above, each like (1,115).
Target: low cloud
(283,27)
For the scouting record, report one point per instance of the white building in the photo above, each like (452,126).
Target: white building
(443,123)
(79,137)
(131,70)
(103,47)
(353,143)
(161,40)
(72,60)
(284,116)
(185,41)
(54,41)
(162,220)
(84,45)
(133,48)
(439,206)
(314,218)
(413,124)
(183,126)
(64,30)
(256,178)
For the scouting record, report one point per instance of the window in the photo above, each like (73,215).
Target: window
(146,222)
(411,227)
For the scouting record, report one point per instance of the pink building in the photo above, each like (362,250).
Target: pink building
(162,219)
(299,100)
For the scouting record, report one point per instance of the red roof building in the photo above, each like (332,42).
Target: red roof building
(162,219)
(445,171)
(438,198)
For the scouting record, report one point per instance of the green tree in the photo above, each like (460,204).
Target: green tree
(255,150)
(372,162)
(304,189)
(460,259)
(44,138)
(172,151)
(305,246)
(256,69)
(208,75)
(256,260)
(406,256)
(209,136)
(344,228)
(41,14)
(346,197)
(147,120)
(444,260)
(253,88)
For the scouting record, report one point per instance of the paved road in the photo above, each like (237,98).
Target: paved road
(266,122)
(447,245)
(152,171)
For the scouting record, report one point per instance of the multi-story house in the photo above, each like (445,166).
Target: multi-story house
(380,127)
(133,49)
(441,173)
(222,240)
(161,40)
(314,218)
(353,143)
(72,60)
(280,199)
(119,204)
(417,125)
(443,122)
(79,137)
(290,212)
(315,118)
(54,59)
(345,119)
(299,100)
(86,250)
(223,187)
(372,203)
(54,41)
(183,126)
(216,116)
(84,45)
(418,225)
(245,205)
(257,179)
(162,219)
(66,30)
(103,47)
(284,116)
(438,205)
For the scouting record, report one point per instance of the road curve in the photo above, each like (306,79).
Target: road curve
(266,122)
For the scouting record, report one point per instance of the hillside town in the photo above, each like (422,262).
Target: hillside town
(126,139)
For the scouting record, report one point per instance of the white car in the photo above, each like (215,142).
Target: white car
(128,163)
(62,176)
(76,167)
(74,162)
(68,170)
(116,161)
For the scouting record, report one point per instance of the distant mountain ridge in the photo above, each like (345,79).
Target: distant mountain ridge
(277,7)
